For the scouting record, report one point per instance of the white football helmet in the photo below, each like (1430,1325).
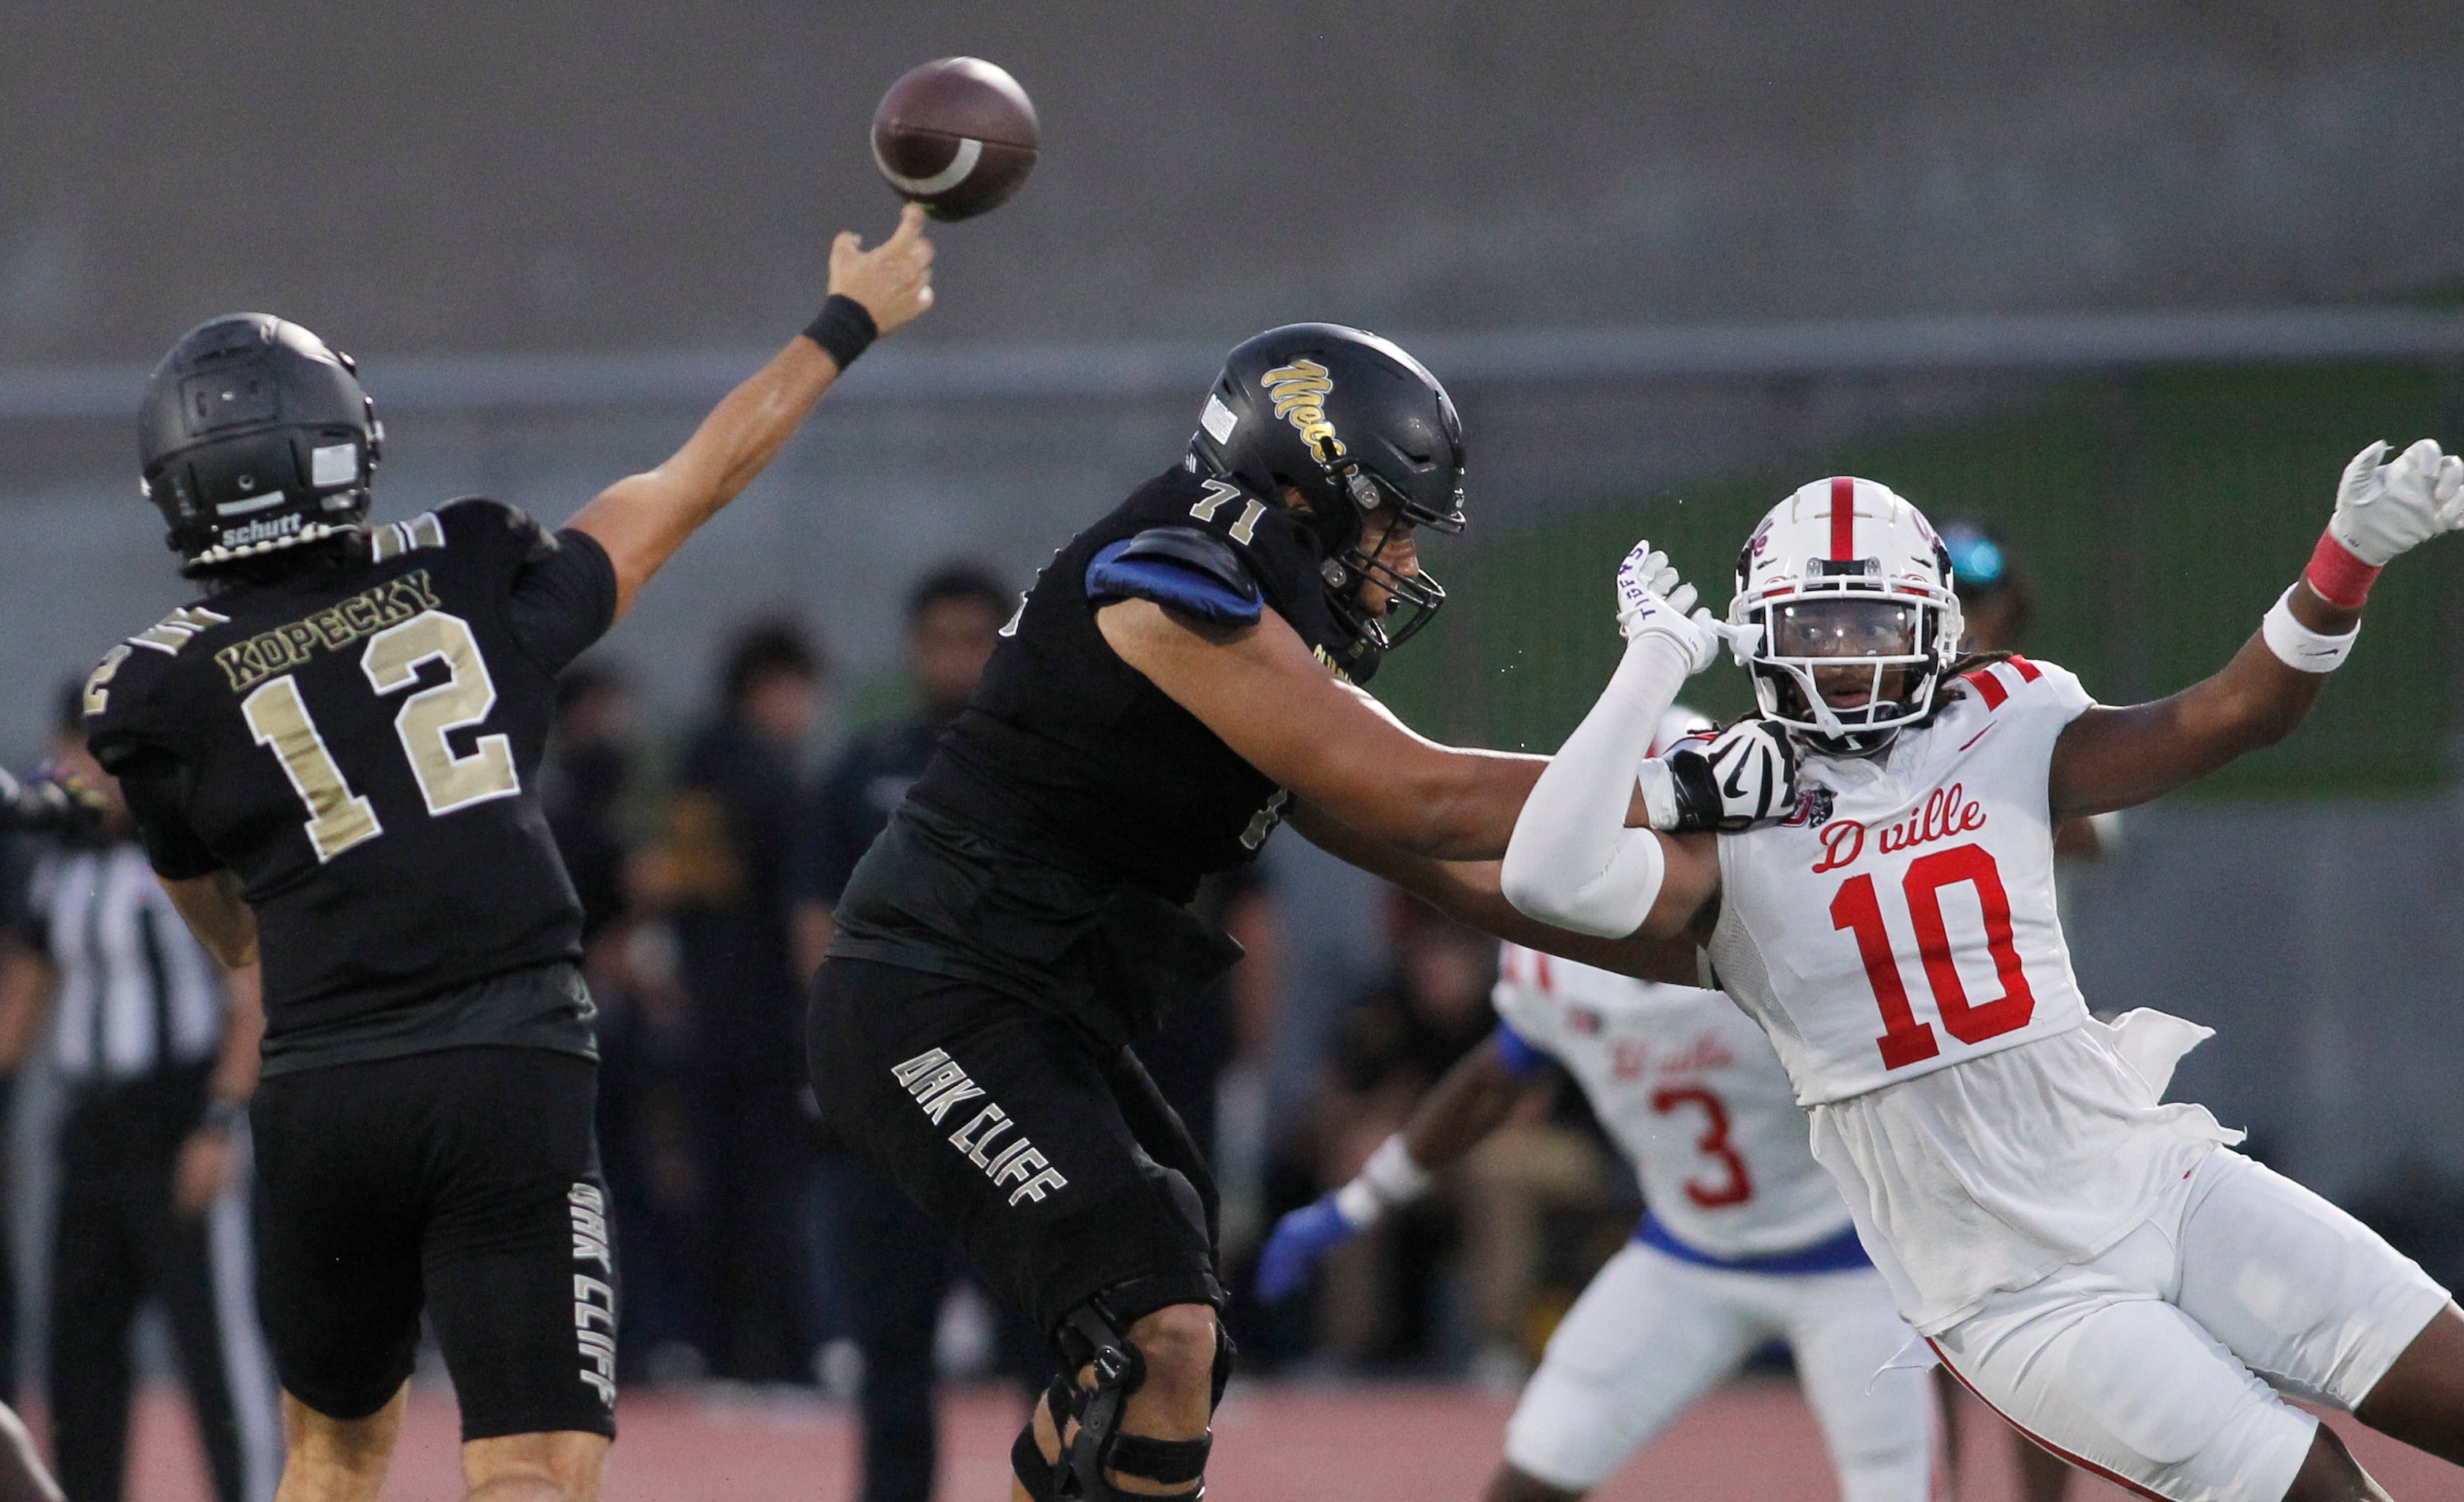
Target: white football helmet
(1847,580)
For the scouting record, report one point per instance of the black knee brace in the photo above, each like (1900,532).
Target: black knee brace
(1038,1475)
(1095,1337)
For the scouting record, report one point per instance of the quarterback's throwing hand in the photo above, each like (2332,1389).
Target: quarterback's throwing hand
(2386,509)
(893,280)
(1650,598)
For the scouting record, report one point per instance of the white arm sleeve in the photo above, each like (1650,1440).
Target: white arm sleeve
(1571,861)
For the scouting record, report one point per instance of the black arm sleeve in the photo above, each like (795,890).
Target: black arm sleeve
(564,599)
(156,790)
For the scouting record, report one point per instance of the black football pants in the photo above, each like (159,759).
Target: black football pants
(118,1240)
(1048,1156)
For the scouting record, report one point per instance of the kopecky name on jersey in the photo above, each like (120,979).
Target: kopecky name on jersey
(251,662)
(1945,813)
(937,1083)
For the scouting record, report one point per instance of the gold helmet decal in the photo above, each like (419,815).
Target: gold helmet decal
(1299,391)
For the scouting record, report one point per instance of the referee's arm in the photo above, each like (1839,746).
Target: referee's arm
(26,982)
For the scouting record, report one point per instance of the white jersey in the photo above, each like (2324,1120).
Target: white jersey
(1906,921)
(1899,941)
(1691,1093)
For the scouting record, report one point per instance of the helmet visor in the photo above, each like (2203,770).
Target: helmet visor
(1843,628)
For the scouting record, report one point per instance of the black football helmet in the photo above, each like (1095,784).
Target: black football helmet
(1357,426)
(255,436)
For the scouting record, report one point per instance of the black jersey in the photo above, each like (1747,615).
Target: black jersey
(1064,819)
(1066,750)
(360,742)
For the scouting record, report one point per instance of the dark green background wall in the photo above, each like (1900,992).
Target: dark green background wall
(2155,516)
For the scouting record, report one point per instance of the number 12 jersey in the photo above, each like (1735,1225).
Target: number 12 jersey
(359,741)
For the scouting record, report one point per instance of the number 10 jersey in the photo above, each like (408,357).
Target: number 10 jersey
(1902,919)
(1899,941)
(359,741)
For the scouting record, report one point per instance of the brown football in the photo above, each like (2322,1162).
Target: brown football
(957,135)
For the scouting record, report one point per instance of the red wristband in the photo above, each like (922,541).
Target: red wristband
(2340,578)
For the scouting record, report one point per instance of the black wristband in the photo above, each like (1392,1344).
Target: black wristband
(843,328)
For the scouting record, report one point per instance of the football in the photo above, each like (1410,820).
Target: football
(957,135)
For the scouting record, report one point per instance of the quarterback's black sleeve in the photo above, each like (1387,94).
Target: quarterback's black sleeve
(156,791)
(565,599)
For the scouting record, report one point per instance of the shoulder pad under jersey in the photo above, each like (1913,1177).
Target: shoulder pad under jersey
(1181,568)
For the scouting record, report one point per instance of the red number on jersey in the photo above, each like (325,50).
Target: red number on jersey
(1714,1144)
(1904,1040)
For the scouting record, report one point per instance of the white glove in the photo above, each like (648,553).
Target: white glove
(1650,598)
(2385,509)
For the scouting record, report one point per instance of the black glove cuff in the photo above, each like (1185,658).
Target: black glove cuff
(843,328)
(1698,790)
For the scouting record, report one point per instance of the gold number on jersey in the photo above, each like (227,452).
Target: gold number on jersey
(1245,530)
(1217,494)
(97,693)
(338,818)
(391,662)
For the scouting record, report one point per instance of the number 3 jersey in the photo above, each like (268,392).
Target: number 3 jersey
(1689,1088)
(1898,939)
(359,742)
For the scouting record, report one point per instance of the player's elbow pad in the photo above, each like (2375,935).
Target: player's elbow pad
(1609,901)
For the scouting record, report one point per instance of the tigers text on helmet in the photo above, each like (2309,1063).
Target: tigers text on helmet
(1848,592)
(1359,428)
(255,436)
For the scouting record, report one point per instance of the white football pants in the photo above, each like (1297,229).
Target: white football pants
(1652,1333)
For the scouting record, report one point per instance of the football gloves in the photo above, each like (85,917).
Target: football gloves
(2386,509)
(1300,1241)
(1744,777)
(1651,598)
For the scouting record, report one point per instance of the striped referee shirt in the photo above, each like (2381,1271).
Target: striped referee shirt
(137,994)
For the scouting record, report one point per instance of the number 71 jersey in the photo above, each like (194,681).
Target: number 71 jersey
(1902,919)
(360,743)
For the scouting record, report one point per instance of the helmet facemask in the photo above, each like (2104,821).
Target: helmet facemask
(1845,636)
(1415,596)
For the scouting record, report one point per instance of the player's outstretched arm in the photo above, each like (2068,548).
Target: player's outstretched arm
(1470,892)
(2115,758)
(641,520)
(1473,1099)
(1574,861)
(1261,691)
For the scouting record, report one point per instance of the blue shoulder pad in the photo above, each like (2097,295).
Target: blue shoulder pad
(1181,568)
(1516,1052)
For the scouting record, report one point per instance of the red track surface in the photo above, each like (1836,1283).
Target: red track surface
(1750,1442)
